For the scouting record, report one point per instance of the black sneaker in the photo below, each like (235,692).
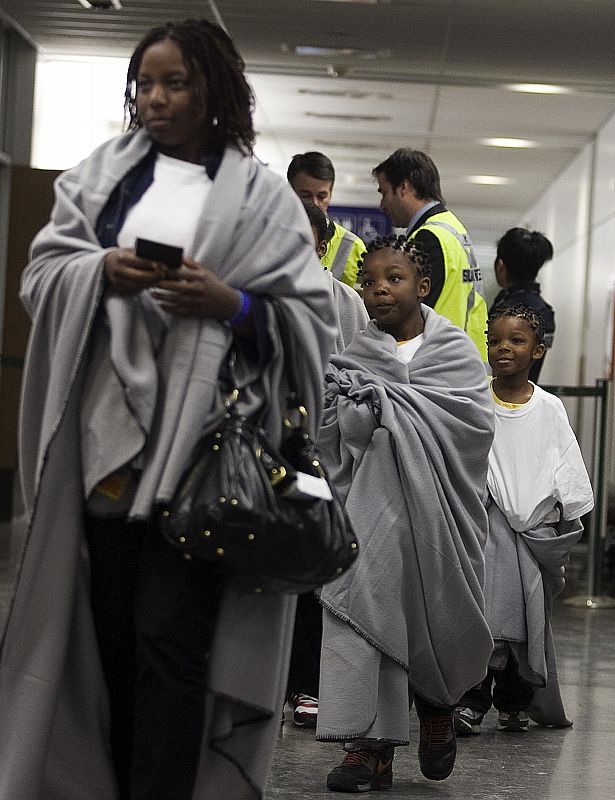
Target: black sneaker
(513,721)
(437,745)
(467,721)
(363,770)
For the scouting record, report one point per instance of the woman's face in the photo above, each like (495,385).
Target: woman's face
(168,102)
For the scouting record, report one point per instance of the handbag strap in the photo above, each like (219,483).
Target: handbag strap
(293,401)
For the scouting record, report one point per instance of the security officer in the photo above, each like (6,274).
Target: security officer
(409,185)
(312,176)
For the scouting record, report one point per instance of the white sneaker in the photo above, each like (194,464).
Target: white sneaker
(513,721)
(467,721)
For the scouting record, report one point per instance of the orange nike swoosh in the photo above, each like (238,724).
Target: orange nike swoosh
(381,766)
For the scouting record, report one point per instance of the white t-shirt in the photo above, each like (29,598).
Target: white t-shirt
(407,349)
(535,462)
(171,206)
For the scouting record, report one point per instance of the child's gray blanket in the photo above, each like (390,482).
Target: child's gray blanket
(523,573)
(407,445)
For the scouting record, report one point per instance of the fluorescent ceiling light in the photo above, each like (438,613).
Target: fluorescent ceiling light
(502,141)
(489,180)
(352,94)
(101,4)
(348,117)
(347,145)
(314,50)
(309,50)
(538,88)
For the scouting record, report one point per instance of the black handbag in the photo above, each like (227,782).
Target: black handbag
(268,515)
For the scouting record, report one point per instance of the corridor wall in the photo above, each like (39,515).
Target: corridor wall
(577,212)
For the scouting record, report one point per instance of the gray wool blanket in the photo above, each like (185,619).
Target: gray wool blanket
(524,572)
(88,348)
(407,446)
(351,315)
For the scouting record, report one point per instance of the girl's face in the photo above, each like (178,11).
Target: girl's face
(512,347)
(168,103)
(392,292)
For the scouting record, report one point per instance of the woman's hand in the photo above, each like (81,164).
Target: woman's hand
(128,274)
(194,291)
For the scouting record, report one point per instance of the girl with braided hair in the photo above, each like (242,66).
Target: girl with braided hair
(537,489)
(406,433)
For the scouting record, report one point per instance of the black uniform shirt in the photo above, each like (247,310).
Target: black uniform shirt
(528,294)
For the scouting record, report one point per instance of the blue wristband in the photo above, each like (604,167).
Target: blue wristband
(241,314)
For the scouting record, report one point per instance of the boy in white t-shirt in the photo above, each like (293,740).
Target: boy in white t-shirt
(538,488)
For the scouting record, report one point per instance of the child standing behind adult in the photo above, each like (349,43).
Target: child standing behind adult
(406,434)
(520,255)
(538,488)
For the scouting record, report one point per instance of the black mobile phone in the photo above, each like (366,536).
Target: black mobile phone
(167,254)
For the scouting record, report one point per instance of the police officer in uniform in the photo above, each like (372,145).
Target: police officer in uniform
(312,176)
(409,185)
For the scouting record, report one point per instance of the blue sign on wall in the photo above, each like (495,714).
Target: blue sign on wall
(368,223)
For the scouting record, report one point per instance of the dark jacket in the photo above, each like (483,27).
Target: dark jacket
(431,245)
(528,294)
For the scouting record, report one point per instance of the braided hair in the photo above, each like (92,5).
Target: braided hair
(413,250)
(523,252)
(534,320)
(220,84)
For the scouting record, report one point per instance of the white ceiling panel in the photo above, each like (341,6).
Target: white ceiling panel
(497,112)
(428,74)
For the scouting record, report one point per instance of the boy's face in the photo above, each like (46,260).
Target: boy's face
(393,290)
(512,347)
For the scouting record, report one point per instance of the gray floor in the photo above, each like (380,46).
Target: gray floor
(574,764)
(542,764)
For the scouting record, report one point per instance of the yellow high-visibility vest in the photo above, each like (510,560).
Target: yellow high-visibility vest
(344,251)
(462,298)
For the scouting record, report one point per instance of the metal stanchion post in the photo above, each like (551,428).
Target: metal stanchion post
(598,523)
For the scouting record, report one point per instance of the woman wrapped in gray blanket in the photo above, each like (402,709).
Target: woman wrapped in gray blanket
(126,671)
(538,489)
(406,434)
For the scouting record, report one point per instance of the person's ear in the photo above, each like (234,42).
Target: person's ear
(406,190)
(424,287)
(321,249)
(500,271)
(539,352)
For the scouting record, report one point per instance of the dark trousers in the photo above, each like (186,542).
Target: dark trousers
(503,688)
(154,615)
(304,672)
